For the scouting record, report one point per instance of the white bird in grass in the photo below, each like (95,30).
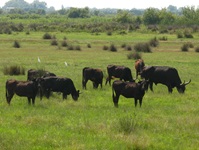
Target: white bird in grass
(66,64)
(38,60)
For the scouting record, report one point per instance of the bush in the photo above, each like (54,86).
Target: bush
(142,47)
(105,47)
(154,42)
(13,70)
(70,47)
(109,33)
(185,48)
(54,42)
(180,35)
(187,34)
(89,45)
(134,55)
(123,45)
(128,48)
(16,44)
(47,36)
(64,43)
(127,124)
(113,48)
(197,49)
(78,48)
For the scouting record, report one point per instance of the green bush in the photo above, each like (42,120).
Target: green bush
(185,48)
(154,42)
(13,70)
(142,47)
(105,47)
(16,44)
(134,55)
(47,36)
(113,48)
(54,42)
(197,49)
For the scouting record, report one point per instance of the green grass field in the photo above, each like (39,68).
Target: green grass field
(165,121)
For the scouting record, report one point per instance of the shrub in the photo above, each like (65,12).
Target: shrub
(185,48)
(47,36)
(179,35)
(154,42)
(187,34)
(70,47)
(113,48)
(123,45)
(134,55)
(105,47)
(78,48)
(54,42)
(16,44)
(64,43)
(142,47)
(89,45)
(197,49)
(13,70)
(128,48)
(109,33)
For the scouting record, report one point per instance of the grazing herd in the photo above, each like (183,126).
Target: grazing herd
(43,83)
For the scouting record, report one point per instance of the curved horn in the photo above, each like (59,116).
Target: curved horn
(185,83)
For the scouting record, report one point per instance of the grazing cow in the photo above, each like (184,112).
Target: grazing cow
(124,73)
(27,89)
(33,74)
(139,65)
(128,90)
(95,75)
(165,75)
(58,84)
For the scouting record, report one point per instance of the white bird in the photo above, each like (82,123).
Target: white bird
(66,64)
(38,60)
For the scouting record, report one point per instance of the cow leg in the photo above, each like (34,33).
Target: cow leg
(140,100)
(9,96)
(151,86)
(115,100)
(29,100)
(136,102)
(64,95)
(33,101)
(108,79)
(84,83)
(170,89)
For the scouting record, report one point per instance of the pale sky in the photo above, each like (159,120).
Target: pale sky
(121,4)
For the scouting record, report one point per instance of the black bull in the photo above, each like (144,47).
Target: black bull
(33,74)
(121,72)
(27,89)
(165,75)
(95,75)
(58,84)
(128,90)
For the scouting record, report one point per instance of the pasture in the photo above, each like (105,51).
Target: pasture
(165,121)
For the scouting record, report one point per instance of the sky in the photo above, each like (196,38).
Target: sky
(120,4)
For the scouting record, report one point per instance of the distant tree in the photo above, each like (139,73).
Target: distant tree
(78,12)
(151,16)
(166,18)
(17,4)
(172,9)
(36,4)
(124,16)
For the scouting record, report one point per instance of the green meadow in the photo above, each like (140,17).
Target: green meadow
(165,121)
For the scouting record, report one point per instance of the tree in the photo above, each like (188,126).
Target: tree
(17,4)
(78,12)
(166,18)
(151,16)
(124,17)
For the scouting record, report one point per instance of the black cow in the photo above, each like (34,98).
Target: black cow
(128,90)
(27,89)
(33,74)
(95,75)
(58,84)
(121,72)
(165,75)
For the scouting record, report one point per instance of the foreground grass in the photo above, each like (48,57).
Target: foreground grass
(166,121)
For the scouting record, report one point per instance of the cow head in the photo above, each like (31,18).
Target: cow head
(181,87)
(75,95)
